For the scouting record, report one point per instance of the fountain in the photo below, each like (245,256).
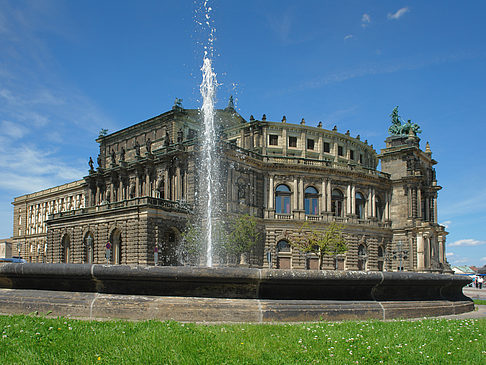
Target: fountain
(210,294)
(209,169)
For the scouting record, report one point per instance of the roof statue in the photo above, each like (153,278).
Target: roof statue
(231,103)
(399,129)
(177,104)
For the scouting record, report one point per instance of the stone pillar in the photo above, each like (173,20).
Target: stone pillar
(112,188)
(265,192)
(120,191)
(301,194)
(419,203)
(295,200)
(348,200)
(387,206)
(373,203)
(353,199)
(329,196)
(270,193)
(420,253)
(147,184)
(137,185)
(178,183)
(409,201)
(166,185)
(441,249)
(324,196)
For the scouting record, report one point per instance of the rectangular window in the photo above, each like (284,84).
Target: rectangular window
(340,151)
(327,147)
(360,158)
(351,154)
(310,144)
(292,141)
(273,140)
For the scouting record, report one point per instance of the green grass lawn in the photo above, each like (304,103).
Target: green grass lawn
(479,301)
(31,340)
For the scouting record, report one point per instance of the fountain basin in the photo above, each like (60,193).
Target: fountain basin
(226,294)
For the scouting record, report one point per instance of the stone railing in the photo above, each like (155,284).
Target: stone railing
(176,206)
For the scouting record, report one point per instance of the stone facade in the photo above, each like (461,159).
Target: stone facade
(144,190)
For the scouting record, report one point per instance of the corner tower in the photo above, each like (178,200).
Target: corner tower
(418,239)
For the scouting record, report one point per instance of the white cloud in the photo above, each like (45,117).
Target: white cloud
(483,259)
(467,242)
(450,254)
(399,13)
(446,224)
(12,130)
(365,20)
(348,36)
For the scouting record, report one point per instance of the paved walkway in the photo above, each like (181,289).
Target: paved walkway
(479,310)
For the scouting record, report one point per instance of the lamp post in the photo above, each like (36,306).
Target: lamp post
(89,248)
(108,252)
(400,254)
(156,255)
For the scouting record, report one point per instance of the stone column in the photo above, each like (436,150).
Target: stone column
(166,185)
(265,192)
(419,203)
(420,253)
(270,193)
(296,199)
(178,183)
(348,200)
(137,185)
(441,249)
(353,199)
(373,203)
(409,201)
(329,196)
(301,194)
(120,191)
(387,206)
(324,196)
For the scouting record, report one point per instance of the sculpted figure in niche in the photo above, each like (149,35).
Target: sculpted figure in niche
(180,136)
(137,148)
(148,145)
(167,139)
(99,161)
(113,156)
(122,154)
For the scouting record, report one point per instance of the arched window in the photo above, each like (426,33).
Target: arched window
(282,199)
(337,199)
(362,257)
(360,205)
(283,246)
(311,201)
(116,246)
(66,249)
(89,244)
(381,258)
(283,255)
(379,207)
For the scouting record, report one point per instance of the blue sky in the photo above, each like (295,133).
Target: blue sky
(70,68)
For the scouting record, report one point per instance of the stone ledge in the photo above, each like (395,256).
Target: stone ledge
(192,309)
(235,283)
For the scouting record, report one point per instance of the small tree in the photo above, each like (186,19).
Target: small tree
(190,246)
(244,234)
(320,243)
